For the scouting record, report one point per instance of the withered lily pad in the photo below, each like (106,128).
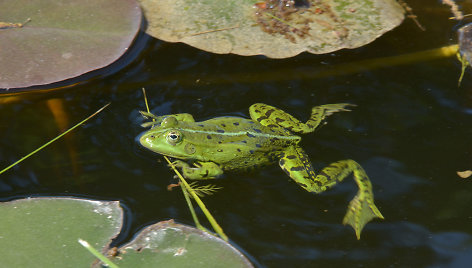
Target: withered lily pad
(275,28)
(62,39)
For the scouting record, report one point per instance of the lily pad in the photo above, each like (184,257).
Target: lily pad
(63,39)
(174,245)
(275,28)
(43,232)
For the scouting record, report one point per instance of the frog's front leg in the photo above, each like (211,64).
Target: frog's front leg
(268,115)
(361,209)
(201,171)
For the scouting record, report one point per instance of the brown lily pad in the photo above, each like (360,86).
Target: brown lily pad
(63,39)
(275,28)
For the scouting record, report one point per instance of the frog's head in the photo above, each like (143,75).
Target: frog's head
(168,140)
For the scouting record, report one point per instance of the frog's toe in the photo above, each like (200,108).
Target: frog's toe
(360,212)
(338,107)
(179,164)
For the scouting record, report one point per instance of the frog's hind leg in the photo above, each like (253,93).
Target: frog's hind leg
(268,115)
(361,209)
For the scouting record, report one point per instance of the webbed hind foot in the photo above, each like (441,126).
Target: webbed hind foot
(360,211)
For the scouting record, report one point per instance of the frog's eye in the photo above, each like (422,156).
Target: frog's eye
(173,137)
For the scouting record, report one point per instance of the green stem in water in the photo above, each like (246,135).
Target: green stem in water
(53,140)
(97,254)
(202,206)
(186,189)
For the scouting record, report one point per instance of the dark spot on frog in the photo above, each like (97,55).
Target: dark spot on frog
(236,123)
(257,111)
(269,112)
(291,156)
(250,135)
(223,125)
(220,142)
(244,141)
(239,150)
(322,173)
(220,150)
(279,120)
(299,168)
(259,119)
(274,139)
(251,151)
(281,162)
(258,145)
(220,131)
(200,125)
(251,122)
(309,125)
(209,137)
(258,130)
(272,126)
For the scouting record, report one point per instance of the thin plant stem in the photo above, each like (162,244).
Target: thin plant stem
(186,189)
(190,205)
(97,254)
(53,140)
(199,202)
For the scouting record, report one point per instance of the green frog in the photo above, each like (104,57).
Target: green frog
(207,149)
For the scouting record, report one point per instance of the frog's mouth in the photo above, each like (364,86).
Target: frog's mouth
(142,140)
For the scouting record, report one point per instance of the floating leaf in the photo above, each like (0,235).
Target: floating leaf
(43,232)
(64,39)
(464,174)
(465,48)
(168,244)
(275,28)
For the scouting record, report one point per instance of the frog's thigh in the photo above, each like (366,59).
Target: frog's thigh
(270,116)
(203,171)
(297,165)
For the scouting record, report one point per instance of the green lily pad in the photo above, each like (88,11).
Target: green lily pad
(275,28)
(63,39)
(43,232)
(168,244)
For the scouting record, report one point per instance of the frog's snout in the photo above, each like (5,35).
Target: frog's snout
(143,138)
(137,139)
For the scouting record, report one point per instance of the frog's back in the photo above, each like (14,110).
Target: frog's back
(238,143)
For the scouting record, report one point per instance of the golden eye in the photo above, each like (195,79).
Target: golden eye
(173,137)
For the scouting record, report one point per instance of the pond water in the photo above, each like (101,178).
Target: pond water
(410,131)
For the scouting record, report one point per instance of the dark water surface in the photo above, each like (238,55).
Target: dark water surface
(411,131)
